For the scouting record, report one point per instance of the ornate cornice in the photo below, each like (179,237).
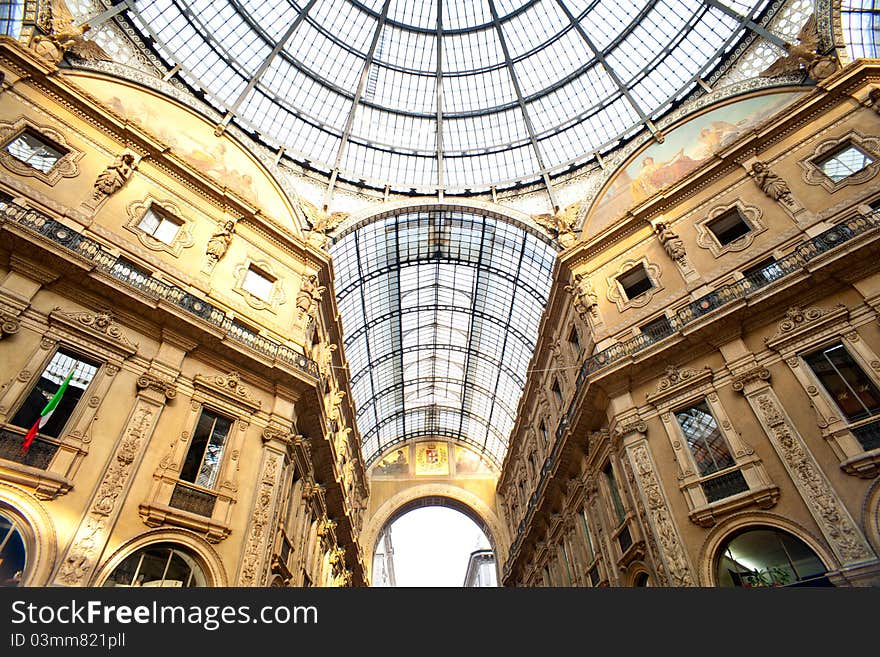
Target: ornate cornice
(677,380)
(798,321)
(100,325)
(230,387)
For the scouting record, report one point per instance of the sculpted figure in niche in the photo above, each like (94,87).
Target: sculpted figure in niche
(310,293)
(671,242)
(585,298)
(771,184)
(219,243)
(112,179)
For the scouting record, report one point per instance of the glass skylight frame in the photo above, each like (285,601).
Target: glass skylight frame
(516,91)
(440,309)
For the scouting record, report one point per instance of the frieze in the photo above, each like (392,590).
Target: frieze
(676,380)
(798,320)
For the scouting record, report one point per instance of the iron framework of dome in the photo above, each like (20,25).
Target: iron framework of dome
(441,311)
(444,95)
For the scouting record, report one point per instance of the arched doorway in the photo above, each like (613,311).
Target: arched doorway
(434,542)
(159,565)
(767,556)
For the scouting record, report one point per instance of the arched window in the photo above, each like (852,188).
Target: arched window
(769,557)
(162,564)
(13,555)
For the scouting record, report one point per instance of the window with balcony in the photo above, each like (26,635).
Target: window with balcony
(205,454)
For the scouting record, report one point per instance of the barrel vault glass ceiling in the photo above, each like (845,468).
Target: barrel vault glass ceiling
(454,95)
(440,312)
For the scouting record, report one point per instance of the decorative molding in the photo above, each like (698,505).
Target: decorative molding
(671,547)
(166,387)
(677,380)
(584,298)
(842,534)
(101,325)
(753,375)
(229,387)
(812,174)
(112,179)
(9,325)
(183,238)
(218,244)
(798,321)
(751,214)
(67,165)
(773,186)
(276,297)
(259,532)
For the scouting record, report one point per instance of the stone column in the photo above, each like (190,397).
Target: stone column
(78,564)
(268,501)
(834,520)
(674,565)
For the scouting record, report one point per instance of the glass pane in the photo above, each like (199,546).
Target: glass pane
(13,556)
(33,151)
(166,231)
(257,284)
(855,394)
(48,384)
(150,222)
(161,565)
(767,557)
(705,440)
(845,163)
(214,454)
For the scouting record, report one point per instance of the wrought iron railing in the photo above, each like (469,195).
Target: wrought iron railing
(150,286)
(725,485)
(187,498)
(38,455)
(868,435)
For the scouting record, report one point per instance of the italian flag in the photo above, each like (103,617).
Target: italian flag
(45,414)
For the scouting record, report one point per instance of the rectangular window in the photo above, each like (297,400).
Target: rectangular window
(708,446)
(159,225)
(635,281)
(557,391)
(35,151)
(614,493)
(843,379)
(729,227)
(258,283)
(844,162)
(591,551)
(574,340)
(202,464)
(48,384)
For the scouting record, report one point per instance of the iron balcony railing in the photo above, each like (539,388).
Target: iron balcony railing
(194,500)
(142,281)
(793,262)
(868,435)
(38,455)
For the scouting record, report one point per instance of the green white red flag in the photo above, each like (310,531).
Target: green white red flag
(45,414)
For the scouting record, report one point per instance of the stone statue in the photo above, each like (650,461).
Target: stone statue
(112,179)
(62,36)
(672,243)
(804,53)
(584,297)
(219,243)
(771,184)
(310,294)
(561,224)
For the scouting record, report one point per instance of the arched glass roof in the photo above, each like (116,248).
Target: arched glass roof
(440,310)
(443,94)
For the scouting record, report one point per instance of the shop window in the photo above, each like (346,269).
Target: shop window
(13,554)
(160,565)
(769,557)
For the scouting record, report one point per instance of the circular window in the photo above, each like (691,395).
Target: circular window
(13,555)
(163,564)
(769,557)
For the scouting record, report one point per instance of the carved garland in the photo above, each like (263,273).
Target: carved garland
(259,522)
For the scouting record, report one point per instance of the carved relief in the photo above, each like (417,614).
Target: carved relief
(797,318)
(218,244)
(81,557)
(834,520)
(773,186)
(151,381)
(8,325)
(753,375)
(672,243)
(112,179)
(584,297)
(228,386)
(670,544)
(260,529)
(100,324)
(309,296)
(803,54)
(67,165)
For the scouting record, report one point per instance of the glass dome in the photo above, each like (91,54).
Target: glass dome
(450,95)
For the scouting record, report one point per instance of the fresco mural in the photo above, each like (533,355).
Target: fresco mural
(683,150)
(468,462)
(394,463)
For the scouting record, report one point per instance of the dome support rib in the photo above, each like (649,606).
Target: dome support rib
(264,66)
(522,106)
(600,57)
(439,91)
(368,62)
(747,22)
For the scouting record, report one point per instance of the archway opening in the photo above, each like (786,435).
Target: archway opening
(433,545)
